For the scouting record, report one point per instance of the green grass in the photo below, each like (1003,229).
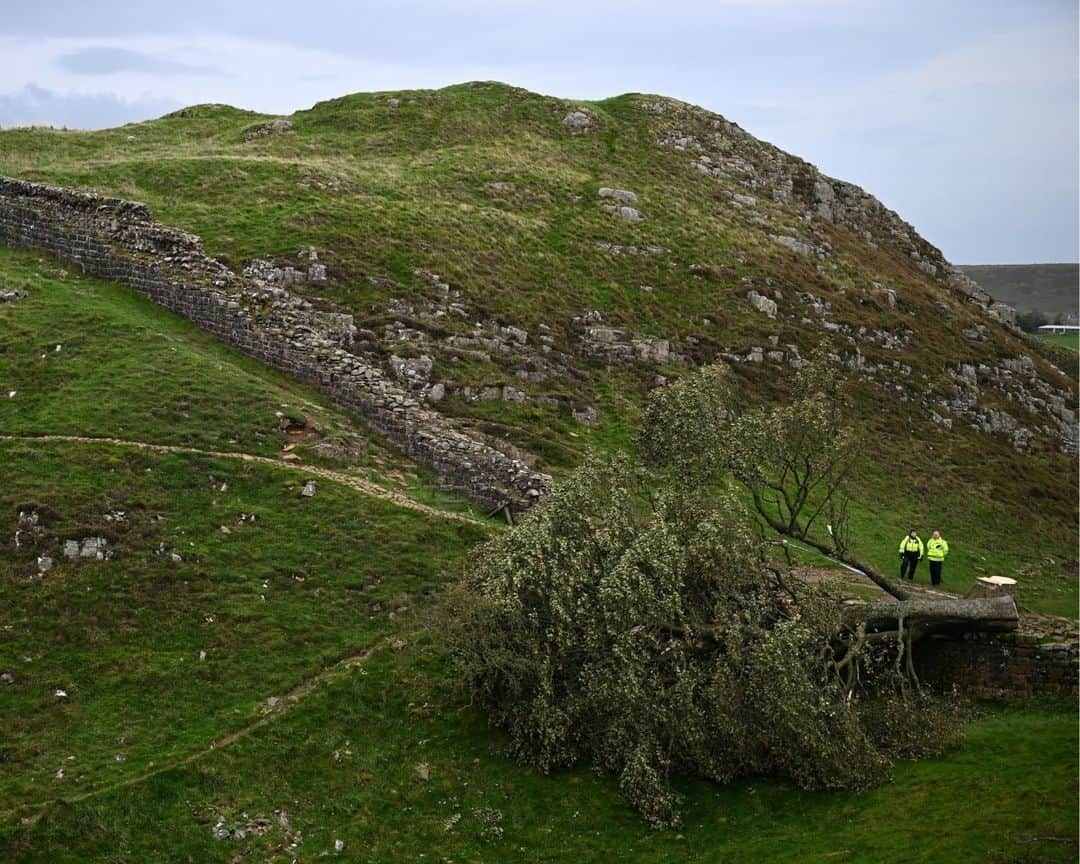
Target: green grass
(272,601)
(1068,340)
(275,601)
(482,184)
(343,766)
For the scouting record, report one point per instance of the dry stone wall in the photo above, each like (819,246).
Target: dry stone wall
(120,241)
(989,666)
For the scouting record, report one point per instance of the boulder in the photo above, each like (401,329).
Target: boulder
(579,121)
(762,303)
(793,244)
(618,194)
(586,415)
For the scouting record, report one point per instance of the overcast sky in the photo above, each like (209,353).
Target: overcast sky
(960,114)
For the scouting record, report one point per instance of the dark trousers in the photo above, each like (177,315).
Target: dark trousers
(908,564)
(935,572)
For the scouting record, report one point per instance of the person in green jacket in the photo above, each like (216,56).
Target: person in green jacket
(911,552)
(936,550)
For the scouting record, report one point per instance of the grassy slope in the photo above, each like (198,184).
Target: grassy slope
(343,766)
(271,601)
(1066,339)
(123,637)
(1047,288)
(383,191)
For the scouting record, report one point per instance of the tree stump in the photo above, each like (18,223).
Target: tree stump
(993,586)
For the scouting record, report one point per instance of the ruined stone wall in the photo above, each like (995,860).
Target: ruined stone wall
(993,666)
(119,241)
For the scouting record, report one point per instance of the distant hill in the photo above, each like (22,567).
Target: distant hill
(1047,288)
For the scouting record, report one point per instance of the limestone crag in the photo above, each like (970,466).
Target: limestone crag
(615,347)
(120,241)
(721,149)
(1014,381)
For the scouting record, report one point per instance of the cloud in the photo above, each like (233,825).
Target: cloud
(110,60)
(34,105)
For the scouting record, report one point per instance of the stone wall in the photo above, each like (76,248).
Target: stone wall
(990,667)
(119,241)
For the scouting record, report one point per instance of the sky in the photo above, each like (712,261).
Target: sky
(962,115)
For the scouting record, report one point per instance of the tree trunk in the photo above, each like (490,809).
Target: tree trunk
(948,615)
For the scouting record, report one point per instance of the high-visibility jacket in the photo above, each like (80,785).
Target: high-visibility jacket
(936,550)
(911,544)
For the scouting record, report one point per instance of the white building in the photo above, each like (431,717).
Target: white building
(1060,328)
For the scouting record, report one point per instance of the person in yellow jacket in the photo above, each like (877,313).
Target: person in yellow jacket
(936,550)
(911,552)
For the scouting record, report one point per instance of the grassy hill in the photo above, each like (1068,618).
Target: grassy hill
(446,218)
(276,688)
(1047,288)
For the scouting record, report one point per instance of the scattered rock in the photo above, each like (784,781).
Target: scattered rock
(490,821)
(579,121)
(618,194)
(309,489)
(586,415)
(10,295)
(436,393)
(7,678)
(90,547)
(762,303)
(423,772)
(616,249)
(626,213)
(413,371)
(275,127)
(255,826)
(94,547)
(28,528)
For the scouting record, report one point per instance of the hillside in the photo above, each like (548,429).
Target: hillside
(1048,288)
(247,674)
(251,672)
(531,267)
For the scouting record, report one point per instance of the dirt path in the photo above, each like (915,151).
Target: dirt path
(360,485)
(280,705)
(275,708)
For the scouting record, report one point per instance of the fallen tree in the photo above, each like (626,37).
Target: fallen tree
(640,622)
(646,631)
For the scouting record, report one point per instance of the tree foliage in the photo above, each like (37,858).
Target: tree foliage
(794,459)
(644,631)
(637,621)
